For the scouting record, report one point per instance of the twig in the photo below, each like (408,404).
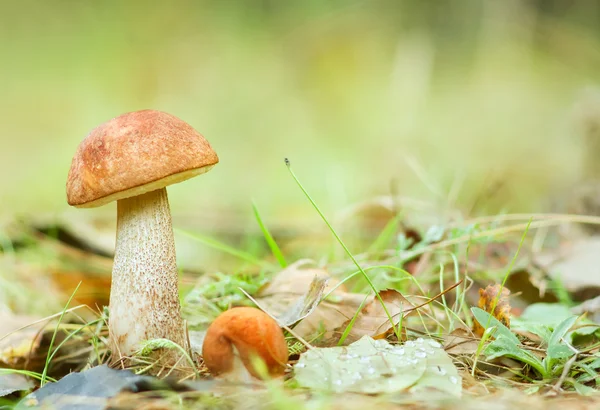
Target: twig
(557,387)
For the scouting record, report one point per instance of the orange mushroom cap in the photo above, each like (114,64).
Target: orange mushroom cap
(135,153)
(242,332)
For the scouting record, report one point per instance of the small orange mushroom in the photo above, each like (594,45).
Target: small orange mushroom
(238,336)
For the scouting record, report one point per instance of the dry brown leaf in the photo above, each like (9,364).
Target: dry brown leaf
(494,300)
(290,284)
(330,315)
(461,342)
(18,346)
(373,320)
(293,283)
(575,264)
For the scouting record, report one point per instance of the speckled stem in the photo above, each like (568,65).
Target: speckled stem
(144,300)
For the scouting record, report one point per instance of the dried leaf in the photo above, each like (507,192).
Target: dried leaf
(294,295)
(494,300)
(461,342)
(373,320)
(330,314)
(305,305)
(16,349)
(574,263)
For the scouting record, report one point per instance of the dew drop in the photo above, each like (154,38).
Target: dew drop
(365,359)
(338,382)
(300,365)
(381,343)
(410,343)
(398,350)
(420,354)
(371,370)
(419,340)
(453,380)
(433,343)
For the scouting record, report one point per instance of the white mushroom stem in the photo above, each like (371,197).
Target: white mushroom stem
(144,300)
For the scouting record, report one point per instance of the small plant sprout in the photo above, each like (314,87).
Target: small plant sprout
(245,343)
(131,159)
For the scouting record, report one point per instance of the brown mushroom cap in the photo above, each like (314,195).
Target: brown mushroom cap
(250,331)
(135,153)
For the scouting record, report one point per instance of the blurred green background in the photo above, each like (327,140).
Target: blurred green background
(471,97)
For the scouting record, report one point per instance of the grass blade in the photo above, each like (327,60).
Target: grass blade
(269,238)
(223,247)
(385,236)
(398,329)
(50,354)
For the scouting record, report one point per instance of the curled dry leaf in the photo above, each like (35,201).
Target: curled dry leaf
(294,295)
(494,300)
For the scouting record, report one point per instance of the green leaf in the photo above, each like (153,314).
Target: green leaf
(275,250)
(549,314)
(435,233)
(543,331)
(505,347)
(582,389)
(561,330)
(486,321)
(557,352)
(375,366)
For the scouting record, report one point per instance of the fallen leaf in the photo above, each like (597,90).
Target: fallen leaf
(461,342)
(330,314)
(294,295)
(305,305)
(591,307)
(494,300)
(376,366)
(291,283)
(575,264)
(12,383)
(373,321)
(91,389)
(18,346)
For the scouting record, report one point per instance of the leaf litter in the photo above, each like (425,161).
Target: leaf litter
(548,349)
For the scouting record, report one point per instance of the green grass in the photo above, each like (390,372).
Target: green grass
(473,114)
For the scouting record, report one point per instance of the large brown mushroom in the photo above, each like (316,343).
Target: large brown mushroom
(239,336)
(131,159)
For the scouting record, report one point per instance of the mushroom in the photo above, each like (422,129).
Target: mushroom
(239,335)
(131,159)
